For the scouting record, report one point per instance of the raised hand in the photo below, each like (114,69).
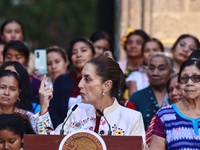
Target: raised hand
(46,94)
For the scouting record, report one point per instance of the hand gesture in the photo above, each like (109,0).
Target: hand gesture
(46,94)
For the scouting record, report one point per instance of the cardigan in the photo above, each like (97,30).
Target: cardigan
(145,102)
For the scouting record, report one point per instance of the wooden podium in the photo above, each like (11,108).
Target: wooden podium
(52,142)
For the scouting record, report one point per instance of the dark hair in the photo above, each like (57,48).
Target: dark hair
(189,62)
(59,50)
(26,95)
(195,54)
(183,36)
(13,123)
(2,42)
(169,80)
(74,41)
(10,73)
(10,21)
(100,35)
(19,46)
(153,40)
(109,69)
(141,33)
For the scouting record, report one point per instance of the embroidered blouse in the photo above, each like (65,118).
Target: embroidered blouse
(123,121)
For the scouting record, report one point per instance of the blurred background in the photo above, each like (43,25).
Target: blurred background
(50,22)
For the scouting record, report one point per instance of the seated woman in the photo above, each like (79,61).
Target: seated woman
(101,79)
(177,126)
(11,131)
(10,87)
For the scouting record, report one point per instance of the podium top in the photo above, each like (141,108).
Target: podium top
(83,139)
(52,142)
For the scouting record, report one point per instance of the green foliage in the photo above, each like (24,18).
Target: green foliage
(50,22)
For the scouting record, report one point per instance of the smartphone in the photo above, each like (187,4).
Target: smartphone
(40,56)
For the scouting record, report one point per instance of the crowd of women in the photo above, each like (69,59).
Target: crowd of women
(149,94)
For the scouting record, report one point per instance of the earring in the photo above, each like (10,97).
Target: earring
(103,93)
(18,99)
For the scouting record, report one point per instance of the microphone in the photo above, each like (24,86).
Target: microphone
(101,114)
(62,129)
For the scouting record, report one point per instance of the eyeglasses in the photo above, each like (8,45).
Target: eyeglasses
(194,78)
(190,48)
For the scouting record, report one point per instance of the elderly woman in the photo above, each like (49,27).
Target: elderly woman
(177,126)
(174,94)
(149,100)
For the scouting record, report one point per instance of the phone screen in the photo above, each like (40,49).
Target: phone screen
(40,61)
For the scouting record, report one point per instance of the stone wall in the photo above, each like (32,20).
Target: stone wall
(163,19)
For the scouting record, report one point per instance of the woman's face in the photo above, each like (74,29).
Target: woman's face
(9,91)
(56,65)
(174,90)
(14,55)
(91,86)
(101,46)
(150,48)
(158,71)
(10,140)
(183,49)
(190,90)
(134,46)
(12,31)
(81,54)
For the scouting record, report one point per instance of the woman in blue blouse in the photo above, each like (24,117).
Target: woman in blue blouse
(177,126)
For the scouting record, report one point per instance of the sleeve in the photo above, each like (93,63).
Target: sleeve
(130,77)
(138,126)
(41,124)
(158,128)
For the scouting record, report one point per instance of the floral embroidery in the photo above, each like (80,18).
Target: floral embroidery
(119,132)
(102,132)
(80,124)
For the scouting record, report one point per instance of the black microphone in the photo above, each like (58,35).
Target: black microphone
(62,129)
(101,114)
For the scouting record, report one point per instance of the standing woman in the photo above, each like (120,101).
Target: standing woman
(57,63)
(132,44)
(182,49)
(26,96)
(150,99)
(10,88)
(138,80)
(101,79)
(177,126)
(18,51)
(66,91)
(101,41)
(11,30)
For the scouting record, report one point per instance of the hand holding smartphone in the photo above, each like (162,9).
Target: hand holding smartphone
(40,61)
